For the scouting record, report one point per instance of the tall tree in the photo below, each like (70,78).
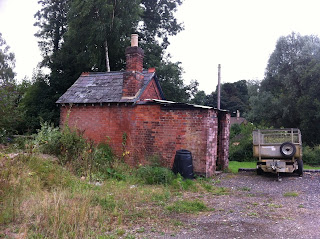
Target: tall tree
(234,96)
(157,24)
(288,95)
(51,21)
(7,62)
(77,36)
(10,116)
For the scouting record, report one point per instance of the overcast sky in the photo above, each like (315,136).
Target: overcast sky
(238,34)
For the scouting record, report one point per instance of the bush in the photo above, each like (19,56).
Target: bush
(73,145)
(72,149)
(311,155)
(48,139)
(241,143)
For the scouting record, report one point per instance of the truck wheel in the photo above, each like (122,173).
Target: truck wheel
(300,167)
(259,171)
(287,149)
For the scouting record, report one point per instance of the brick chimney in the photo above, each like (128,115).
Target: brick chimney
(133,78)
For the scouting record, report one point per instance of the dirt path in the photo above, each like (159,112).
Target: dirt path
(259,207)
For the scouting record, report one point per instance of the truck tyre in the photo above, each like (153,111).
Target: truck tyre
(300,167)
(259,171)
(288,149)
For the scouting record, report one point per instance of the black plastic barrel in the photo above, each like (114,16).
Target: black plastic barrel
(183,164)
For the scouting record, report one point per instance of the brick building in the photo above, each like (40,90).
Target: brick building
(128,109)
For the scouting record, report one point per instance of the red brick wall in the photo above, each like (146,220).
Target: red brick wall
(151,92)
(224,132)
(134,59)
(162,132)
(132,82)
(151,131)
(101,123)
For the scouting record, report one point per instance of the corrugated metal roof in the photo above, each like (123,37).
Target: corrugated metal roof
(100,87)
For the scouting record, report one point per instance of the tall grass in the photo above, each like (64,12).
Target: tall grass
(42,199)
(84,192)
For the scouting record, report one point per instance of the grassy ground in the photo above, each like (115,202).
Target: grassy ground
(234,166)
(41,199)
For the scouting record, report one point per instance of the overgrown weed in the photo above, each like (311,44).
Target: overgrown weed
(52,198)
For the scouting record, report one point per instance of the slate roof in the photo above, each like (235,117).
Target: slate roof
(101,87)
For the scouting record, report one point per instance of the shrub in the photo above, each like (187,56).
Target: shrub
(241,143)
(73,145)
(48,139)
(311,155)
(72,149)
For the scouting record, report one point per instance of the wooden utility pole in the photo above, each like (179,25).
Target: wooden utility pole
(219,83)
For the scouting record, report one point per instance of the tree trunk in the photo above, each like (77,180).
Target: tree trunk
(107,56)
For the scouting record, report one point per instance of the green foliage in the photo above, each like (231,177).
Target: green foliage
(7,62)
(170,77)
(38,104)
(186,206)
(311,155)
(76,152)
(73,145)
(10,94)
(52,22)
(155,175)
(234,96)
(241,146)
(48,139)
(78,36)
(288,96)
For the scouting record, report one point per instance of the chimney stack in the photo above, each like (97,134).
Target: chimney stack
(133,78)
(134,55)
(134,40)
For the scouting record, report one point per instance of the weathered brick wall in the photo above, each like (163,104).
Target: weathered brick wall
(151,92)
(224,133)
(162,132)
(151,132)
(132,82)
(101,123)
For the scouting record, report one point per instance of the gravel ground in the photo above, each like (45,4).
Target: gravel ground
(257,207)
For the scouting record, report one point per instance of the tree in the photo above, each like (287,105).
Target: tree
(52,23)
(288,95)
(9,92)
(200,98)
(77,36)
(7,62)
(37,104)
(234,96)
(156,25)
(171,82)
